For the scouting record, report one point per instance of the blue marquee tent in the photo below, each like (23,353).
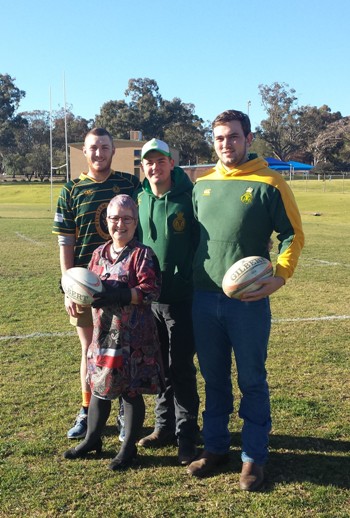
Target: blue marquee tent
(279,165)
(299,166)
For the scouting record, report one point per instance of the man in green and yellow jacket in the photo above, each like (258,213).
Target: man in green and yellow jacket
(239,204)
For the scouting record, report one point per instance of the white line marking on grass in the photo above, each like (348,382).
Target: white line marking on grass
(310,319)
(22,236)
(35,335)
(329,263)
(274,321)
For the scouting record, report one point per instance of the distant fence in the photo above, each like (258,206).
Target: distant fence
(298,181)
(329,182)
(31,179)
(332,181)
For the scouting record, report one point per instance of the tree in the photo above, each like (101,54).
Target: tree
(145,104)
(38,129)
(118,118)
(77,127)
(38,160)
(307,133)
(334,142)
(145,110)
(261,147)
(13,163)
(280,130)
(10,97)
(34,141)
(141,113)
(184,130)
(312,122)
(189,141)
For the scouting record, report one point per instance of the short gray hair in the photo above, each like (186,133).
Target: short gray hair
(126,202)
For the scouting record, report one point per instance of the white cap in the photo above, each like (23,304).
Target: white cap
(155,145)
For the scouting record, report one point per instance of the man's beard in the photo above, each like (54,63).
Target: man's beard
(236,160)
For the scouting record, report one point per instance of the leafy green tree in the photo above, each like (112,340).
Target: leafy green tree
(261,147)
(33,141)
(312,121)
(189,140)
(77,127)
(37,131)
(176,110)
(38,161)
(13,163)
(118,118)
(307,133)
(185,131)
(145,103)
(280,130)
(32,144)
(332,145)
(145,110)
(10,97)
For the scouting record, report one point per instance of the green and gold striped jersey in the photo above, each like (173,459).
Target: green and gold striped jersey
(81,210)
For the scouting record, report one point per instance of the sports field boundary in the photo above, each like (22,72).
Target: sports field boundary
(274,321)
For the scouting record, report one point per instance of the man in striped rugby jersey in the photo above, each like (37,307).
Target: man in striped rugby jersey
(80,224)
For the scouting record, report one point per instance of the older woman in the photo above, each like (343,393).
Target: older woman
(123,358)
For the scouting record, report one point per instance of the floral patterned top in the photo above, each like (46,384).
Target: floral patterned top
(124,356)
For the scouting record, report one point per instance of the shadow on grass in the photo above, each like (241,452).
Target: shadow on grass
(316,468)
(314,444)
(303,459)
(312,459)
(291,460)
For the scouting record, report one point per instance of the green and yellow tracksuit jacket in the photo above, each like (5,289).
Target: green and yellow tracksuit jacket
(238,210)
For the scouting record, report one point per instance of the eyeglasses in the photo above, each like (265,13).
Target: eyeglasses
(124,219)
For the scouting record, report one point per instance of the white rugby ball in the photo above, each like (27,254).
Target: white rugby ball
(244,276)
(80,285)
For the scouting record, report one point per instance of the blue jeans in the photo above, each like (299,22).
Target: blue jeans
(222,325)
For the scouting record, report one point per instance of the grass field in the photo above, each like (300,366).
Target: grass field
(308,473)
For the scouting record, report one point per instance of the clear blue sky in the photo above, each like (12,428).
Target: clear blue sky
(213,54)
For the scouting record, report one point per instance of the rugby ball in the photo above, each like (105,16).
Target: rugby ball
(80,285)
(244,276)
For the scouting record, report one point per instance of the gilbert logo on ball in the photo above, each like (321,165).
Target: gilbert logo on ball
(244,276)
(80,285)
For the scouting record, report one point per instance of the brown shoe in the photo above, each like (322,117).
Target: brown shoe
(158,438)
(206,463)
(252,477)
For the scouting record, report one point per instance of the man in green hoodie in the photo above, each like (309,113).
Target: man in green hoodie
(239,204)
(167,225)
